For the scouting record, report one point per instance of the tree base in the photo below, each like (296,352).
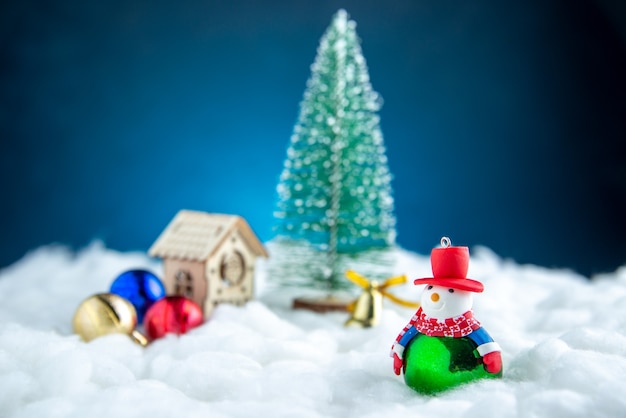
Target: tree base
(322,304)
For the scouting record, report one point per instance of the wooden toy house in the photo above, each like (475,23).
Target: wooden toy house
(208,258)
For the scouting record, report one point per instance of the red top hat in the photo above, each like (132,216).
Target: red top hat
(450,266)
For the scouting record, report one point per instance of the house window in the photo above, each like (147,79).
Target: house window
(232,268)
(183,284)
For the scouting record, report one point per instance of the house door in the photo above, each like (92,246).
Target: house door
(183,284)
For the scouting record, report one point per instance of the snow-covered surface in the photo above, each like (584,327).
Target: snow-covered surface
(563,340)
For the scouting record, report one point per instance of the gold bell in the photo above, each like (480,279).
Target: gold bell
(367,308)
(106,313)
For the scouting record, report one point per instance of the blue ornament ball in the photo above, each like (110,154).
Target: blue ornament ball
(141,287)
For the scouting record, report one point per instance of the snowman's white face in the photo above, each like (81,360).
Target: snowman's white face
(443,302)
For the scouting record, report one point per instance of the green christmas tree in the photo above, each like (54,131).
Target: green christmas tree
(334,195)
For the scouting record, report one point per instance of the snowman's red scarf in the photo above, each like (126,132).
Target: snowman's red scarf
(456,327)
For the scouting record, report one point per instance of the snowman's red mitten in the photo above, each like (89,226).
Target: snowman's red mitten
(493,362)
(397,364)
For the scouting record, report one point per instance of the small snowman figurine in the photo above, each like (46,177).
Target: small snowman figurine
(444,345)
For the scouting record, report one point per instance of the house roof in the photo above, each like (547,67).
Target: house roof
(193,235)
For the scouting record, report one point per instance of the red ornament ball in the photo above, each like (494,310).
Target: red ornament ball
(172,314)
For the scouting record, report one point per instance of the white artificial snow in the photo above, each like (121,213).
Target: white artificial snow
(563,340)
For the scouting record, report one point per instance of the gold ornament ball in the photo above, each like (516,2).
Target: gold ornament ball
(106,313)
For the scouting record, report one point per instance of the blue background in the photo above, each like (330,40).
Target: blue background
(505,122)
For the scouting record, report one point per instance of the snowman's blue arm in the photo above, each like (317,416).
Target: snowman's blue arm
(480,336)
(408,336)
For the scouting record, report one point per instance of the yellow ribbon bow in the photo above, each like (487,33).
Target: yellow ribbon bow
(367,307)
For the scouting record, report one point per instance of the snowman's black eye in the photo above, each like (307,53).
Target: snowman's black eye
(451,290)
(430,287)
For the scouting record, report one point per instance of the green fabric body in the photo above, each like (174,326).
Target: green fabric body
(434,364)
